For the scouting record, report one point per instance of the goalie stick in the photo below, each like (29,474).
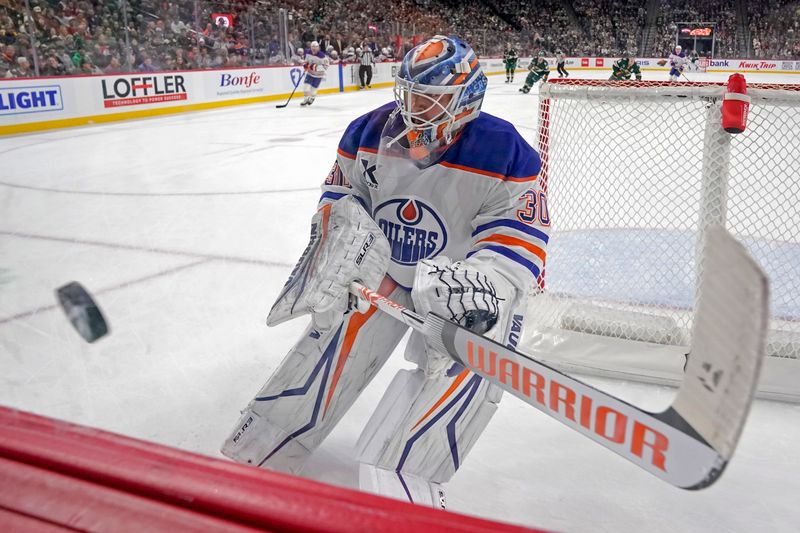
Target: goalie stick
(689,444)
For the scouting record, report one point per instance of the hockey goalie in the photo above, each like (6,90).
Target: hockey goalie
(437,206)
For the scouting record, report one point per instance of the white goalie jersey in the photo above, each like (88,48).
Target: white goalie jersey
(483,199)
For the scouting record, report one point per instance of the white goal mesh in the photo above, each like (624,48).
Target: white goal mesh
(634,172)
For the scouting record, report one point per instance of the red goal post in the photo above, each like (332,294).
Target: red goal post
(634,172)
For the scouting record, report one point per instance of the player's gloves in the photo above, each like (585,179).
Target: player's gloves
(474,296)
(346,245)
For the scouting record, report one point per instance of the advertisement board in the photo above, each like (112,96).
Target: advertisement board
(33,104)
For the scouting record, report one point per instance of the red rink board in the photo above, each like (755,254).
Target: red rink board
(55,475)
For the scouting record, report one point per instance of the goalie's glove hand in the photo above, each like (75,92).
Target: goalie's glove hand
(346,245)
(474,296)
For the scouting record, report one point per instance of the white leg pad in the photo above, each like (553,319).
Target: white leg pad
(425,427)
(255,436)
(311,390)
(400,486)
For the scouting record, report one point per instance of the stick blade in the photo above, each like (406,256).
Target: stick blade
(728,344)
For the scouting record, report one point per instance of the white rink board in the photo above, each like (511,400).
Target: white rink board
(65,99)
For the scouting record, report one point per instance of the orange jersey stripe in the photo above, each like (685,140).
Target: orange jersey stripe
(488,173)
(473,170)
(448,392)
(345,154)
(522,179)
(508,240)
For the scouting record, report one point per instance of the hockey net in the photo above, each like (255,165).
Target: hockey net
(634,173)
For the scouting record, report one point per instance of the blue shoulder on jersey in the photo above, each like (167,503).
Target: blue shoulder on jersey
(492,145)
(365,131)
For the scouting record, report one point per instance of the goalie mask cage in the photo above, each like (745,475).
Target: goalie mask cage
(634,173)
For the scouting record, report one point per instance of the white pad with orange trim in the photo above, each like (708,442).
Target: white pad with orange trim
(424,427)
(426,423)
(314,386)
(346,245)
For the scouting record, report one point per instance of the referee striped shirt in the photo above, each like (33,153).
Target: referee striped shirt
(367,58)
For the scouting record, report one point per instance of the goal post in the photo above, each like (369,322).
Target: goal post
(634,174)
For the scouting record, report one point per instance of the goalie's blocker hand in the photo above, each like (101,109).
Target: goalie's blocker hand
(470,294)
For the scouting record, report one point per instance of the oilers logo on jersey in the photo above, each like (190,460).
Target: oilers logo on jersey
(414,229)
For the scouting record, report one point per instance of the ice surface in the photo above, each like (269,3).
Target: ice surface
(186,227)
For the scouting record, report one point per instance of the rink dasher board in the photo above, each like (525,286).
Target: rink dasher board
(32,104)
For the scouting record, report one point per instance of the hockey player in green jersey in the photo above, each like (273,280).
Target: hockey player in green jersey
(538,70)
(693,58)
(510,59)
(624,67)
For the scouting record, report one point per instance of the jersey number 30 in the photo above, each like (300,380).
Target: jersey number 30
(535,208)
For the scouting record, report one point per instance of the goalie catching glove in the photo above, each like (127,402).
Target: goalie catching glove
(346,245)
(475,296)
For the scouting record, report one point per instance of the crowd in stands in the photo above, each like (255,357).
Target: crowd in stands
(612,26)
(721,12)
(776,35)
(96,36)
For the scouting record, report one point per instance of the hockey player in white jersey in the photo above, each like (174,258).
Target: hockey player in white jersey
(677,62)
(439,207)
(315,63)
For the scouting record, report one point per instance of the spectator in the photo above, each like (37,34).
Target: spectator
(338,44)
(113,67)
(23,69)
(53,67)
(147,65)
(88,68)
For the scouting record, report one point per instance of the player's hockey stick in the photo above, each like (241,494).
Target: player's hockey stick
(299,81)
(688,444)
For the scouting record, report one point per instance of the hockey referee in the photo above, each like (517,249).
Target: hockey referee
(367,59)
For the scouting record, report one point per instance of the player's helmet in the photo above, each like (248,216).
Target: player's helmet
(625,54)
(438,89)
(678,48)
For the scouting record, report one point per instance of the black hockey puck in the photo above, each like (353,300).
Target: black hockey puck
(82,311)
